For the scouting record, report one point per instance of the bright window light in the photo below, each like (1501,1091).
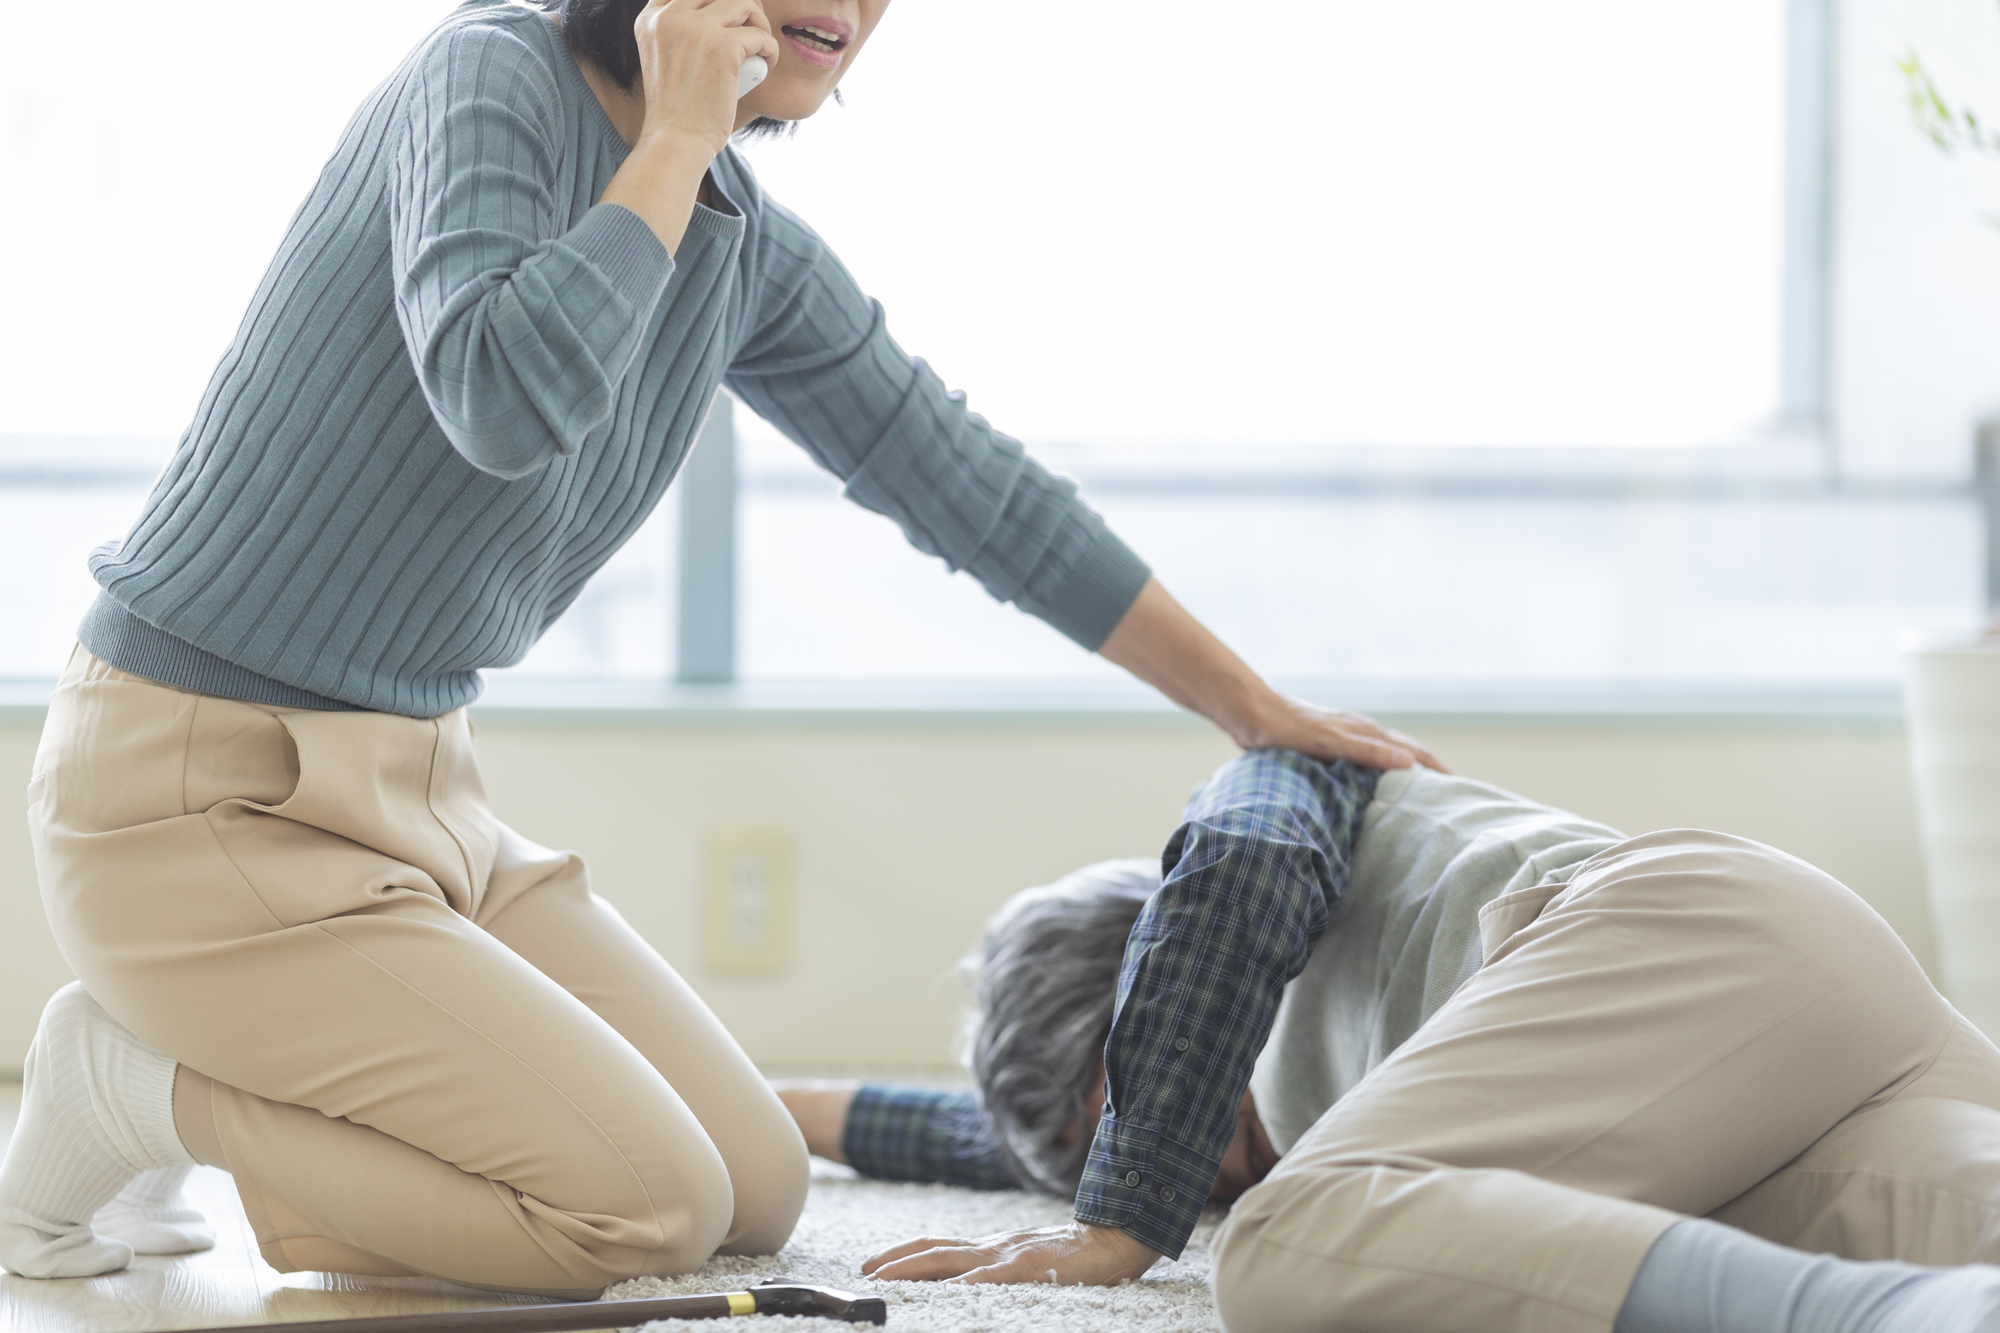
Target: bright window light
(153,156)
(1319,221)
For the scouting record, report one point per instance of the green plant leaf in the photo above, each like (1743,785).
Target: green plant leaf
(1949,127)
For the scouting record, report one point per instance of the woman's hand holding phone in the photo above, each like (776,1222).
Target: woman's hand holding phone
(691,55)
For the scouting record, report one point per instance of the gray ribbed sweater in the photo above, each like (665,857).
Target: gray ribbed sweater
(463,384)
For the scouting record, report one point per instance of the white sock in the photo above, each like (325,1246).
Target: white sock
(150,1215)
(97,1108)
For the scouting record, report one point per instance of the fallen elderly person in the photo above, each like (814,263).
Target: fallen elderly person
(1473,1064)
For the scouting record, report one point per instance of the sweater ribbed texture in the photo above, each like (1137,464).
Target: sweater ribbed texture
(463,384)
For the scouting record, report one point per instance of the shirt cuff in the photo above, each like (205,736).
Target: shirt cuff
(1146,1185)
(901,1133)
(1094,593)
(622,247)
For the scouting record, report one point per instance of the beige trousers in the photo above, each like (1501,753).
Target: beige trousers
(418,1042)
(1696,1025)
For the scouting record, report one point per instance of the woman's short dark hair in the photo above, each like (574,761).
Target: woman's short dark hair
(600,31)
(1045,981)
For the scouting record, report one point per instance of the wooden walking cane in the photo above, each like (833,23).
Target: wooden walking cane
(765,1298)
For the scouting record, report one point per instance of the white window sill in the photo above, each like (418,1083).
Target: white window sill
(898,704)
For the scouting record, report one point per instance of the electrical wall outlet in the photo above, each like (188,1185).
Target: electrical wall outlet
(746,877)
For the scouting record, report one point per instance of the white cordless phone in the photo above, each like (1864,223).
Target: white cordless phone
(753,72)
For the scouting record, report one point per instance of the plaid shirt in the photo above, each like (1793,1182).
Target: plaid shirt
(920,1134)
(1260,857)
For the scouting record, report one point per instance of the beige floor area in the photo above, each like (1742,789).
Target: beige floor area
(227,1285)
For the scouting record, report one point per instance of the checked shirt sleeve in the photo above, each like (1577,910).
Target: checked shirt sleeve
(1260,857)
(896,1133)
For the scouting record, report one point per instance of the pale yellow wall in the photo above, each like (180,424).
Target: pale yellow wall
(30,967)
(907,836)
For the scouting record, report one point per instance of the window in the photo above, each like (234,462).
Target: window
(1435,343)
(1441,222)
(1569,568)
(153,156)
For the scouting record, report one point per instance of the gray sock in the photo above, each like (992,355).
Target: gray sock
(1703,1277)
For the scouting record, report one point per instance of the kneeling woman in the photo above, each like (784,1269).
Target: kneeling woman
(308,951)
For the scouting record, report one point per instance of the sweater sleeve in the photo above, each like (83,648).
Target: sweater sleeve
(519,325)
(818,363)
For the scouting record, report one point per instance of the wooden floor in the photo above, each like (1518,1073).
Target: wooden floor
(227,1285)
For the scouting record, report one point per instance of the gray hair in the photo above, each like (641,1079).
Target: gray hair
(1045,981)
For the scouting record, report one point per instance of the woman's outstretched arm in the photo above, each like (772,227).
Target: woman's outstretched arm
(1158,641)
(815,359)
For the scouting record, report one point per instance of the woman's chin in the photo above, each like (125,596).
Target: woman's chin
(786,103)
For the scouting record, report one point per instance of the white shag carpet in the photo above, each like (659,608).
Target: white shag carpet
(847,1219)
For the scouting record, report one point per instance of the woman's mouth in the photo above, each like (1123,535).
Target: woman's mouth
(820,41)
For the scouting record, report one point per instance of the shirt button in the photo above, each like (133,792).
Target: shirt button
(1182,1043)
(1167,1194)
(1132,1179)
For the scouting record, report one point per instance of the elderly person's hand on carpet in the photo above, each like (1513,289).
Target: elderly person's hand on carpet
(1076,1253)
(1072,1254)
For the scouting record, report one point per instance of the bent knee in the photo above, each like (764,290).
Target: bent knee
(1917,1180)
(1236,1276)
(681,1219)
(1349,1245)
(1267,1278)
(746,1206)
(770,1192)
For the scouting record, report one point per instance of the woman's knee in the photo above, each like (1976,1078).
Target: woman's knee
(746,1204)
(770,1186)
(688,1213)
